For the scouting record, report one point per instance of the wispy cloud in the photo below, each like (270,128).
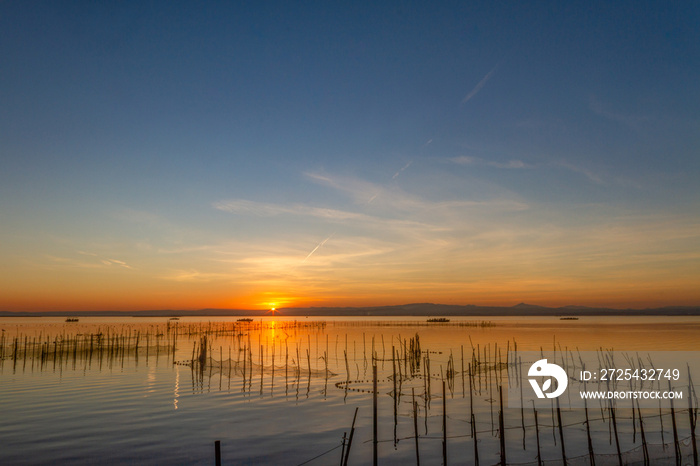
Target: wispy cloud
(119,263)
(592,177)
(478,87)
(397,203)
(362,191)
(77,263)
(634,122)
(194,275)
(468,160)
(243,206)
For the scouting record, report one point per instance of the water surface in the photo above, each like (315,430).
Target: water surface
(148,405)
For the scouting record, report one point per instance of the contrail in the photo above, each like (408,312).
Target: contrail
(367,203)
(318,246)
(404,167)
(481,84)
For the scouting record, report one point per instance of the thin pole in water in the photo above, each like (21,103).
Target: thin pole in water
(690,415)
(374,412)
(537,434)
(617,439)
(676,446)
(393,362)
(476,446)
(415,424)
(342,452)
(352,434)
(561,433)
(645,449)
(591,454)
(501,428)
(444,424)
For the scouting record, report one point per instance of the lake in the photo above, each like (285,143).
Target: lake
(279,390)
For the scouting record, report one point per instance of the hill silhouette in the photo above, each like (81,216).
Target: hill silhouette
(412,309)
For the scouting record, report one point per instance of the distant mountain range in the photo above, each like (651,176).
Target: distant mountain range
(415,309)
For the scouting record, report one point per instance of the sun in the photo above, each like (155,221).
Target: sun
(275,304)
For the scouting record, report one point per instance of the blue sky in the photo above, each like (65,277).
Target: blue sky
(176,154)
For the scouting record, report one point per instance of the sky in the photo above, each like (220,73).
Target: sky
(188,155)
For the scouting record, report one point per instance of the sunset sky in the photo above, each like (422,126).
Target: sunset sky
(186,155)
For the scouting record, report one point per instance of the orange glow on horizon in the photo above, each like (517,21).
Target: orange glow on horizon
(159,295)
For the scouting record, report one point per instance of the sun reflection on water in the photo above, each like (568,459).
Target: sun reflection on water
(177,386)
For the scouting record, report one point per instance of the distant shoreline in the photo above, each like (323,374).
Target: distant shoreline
(403,310)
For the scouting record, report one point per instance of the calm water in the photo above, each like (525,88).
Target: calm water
(275,391)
